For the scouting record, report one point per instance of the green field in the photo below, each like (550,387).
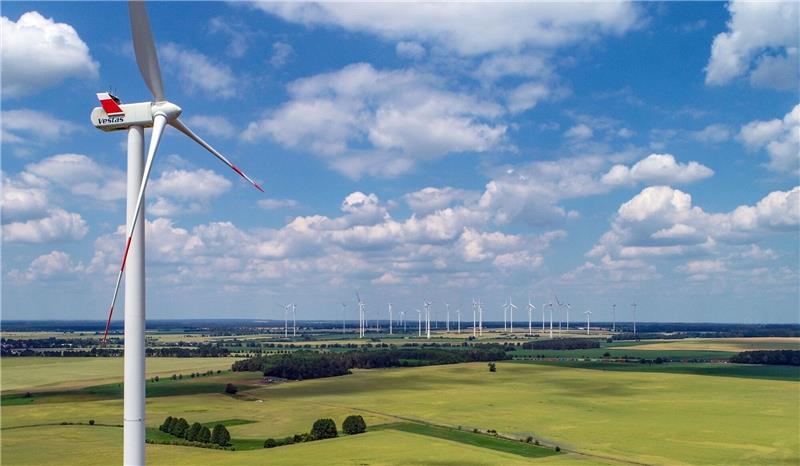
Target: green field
(646,417)
(41,373)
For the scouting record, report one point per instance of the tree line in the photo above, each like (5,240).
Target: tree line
(770,357)
(180,428)
(301,365)
(562,344)
(322,429)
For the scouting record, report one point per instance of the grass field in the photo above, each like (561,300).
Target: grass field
(721,344)
(647,417)
(37,373)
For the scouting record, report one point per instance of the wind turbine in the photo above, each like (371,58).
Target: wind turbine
(480,317)
(134,118)
(551,319)
(403,320)
(428,319)
(568,307)
(447,306)
(458,313)
(560,307)
(419,322)
(285,319)
(294,319)
(588,313)
(614,317)
(505,317)
(511,308)
(344,317)
(390,318)
(361,315)
(474,312)
(634,316)
(531,308)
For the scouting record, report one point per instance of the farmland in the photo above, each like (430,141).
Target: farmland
(594,413)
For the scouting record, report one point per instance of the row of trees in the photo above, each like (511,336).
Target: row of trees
(562,344)
(179,427)
(301,365)
(771,357)
(322,429)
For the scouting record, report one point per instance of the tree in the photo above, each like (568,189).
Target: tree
(270,443)
(231,389)
(91,422)
(323,428)
(172,423)
(165,426)
(220,435)
(180,428)
(492,367)
(193,432)
(354,424)
(204,435)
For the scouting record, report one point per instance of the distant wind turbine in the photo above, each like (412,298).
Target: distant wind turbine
(419,323)
(458,313)
(588,314)
(614,317)
(390,318)
(634,316)
(511,308)
(531,308)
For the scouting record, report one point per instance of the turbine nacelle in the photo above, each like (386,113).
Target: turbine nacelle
(117,117)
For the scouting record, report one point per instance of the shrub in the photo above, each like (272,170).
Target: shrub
(529,439)
(174,377)
(231,389)
(354,424)
(91,422)
(156,378)
(165,426)
(492,367)
(536,442)
(193,432)
(558,448)
(323,428)
(270,443)
(220,435)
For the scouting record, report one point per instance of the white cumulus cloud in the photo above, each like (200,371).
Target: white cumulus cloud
(38,53)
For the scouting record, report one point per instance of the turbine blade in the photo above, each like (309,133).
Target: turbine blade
(159,123)
(185,130)
(145,49)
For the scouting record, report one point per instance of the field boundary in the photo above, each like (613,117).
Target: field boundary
(543,442)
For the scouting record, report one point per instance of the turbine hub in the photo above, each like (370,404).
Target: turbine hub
(166,108)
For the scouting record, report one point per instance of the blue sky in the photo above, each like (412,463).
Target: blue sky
(607,153)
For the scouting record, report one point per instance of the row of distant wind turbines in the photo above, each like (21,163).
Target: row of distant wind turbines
(477,317)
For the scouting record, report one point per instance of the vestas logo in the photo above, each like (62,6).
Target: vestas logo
(105,121)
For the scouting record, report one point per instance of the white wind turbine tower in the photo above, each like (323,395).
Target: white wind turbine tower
(344,317)
(294,320)
(588,314)
(458,313)
(531,308)
(505,316)
(134,118)
(511,308)
(614,317)
(560,308)
(390,318)
(428,319)
(634,316)
(551,319)
(361,315)
(447,306)
(474,312)
(285,319)
(544,305)
(403,320)
(480,317)
(419,322)
(567,307)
